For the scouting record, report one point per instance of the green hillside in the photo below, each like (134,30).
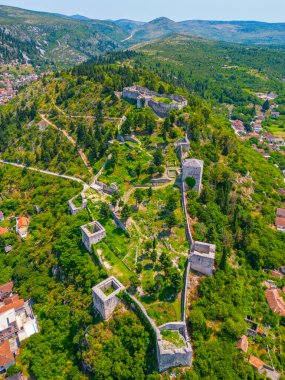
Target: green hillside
(217,71)
(41,38)
(56,122)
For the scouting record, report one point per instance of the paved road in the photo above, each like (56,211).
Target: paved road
(46,172)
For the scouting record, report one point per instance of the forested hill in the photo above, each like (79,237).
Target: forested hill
(39,38)
(218,71)
(235,211)
(46,38)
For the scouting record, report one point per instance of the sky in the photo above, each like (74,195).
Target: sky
(145,10)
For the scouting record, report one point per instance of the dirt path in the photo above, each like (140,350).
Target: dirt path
(71,140)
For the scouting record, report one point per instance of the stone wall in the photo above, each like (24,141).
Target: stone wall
(168,358)
(144,98)
(89,238)
(74,209)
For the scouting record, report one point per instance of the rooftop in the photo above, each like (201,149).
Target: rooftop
(6,356)
(193,162)
(11,303)
(23,222)
(7,287)
(275,301)
(280,212)
(255,362)
(3,230)
(243,343)
(280,222)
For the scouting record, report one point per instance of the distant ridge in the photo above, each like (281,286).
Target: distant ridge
(80,18)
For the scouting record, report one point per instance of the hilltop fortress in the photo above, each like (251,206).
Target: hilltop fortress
(161,104)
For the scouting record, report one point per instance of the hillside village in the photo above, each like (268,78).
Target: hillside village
(11,82)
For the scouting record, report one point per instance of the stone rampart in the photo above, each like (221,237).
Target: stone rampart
(75,209)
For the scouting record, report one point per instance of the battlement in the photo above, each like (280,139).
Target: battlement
(173,345)
(202,258)
(105,297)
(157,102)
(92,233)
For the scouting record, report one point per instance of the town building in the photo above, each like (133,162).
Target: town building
(17,322)
(202,258)
(22,226)
(193,168)
(243,344)
(3,231)
(6,356)
(92,233)
(105,296)
(280,219)
(6,290)
(275,301)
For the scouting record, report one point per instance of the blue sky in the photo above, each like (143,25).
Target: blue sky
(262,10)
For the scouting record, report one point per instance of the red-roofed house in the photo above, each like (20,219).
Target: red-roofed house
(276,274)
(6,356)
(280,213)
(22,226)
(275,301)
(280,224)
(6,289)
(256,363)
(3,230)
(243,343)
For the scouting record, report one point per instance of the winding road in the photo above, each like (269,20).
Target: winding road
(86,186)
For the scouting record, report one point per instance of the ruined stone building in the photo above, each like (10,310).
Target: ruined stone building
(193,168)
(202,258)
(177,350)
(75,209)
(144,97)
(92,233)
(105,297)
(182,147)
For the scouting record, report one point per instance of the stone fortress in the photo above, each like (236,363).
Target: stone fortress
(144,97)
(105,297)
(92,233)
(202,258)
(75,209)
(193,168)
(168,355)
(172,341)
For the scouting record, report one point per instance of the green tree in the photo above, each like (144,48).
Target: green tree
(190,182)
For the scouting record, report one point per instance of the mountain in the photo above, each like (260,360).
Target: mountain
(80,18)
(129,25)
(157,28)
(39,37)
(46,38)
(247,32)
